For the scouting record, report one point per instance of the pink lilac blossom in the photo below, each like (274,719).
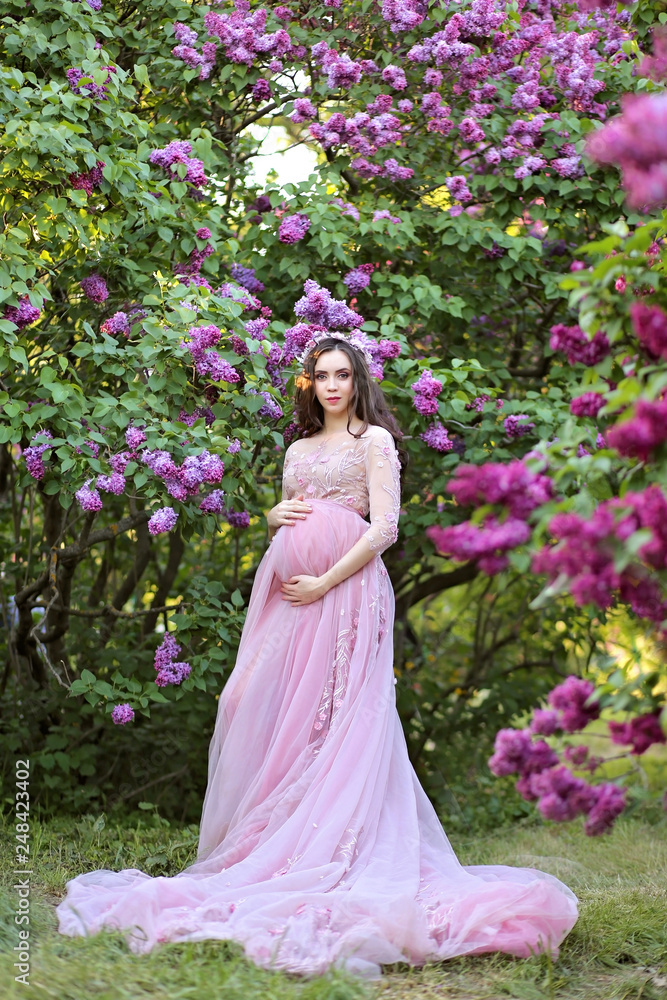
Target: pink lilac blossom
(513,486)
(588,404)
(95,288)
(34,452)
(574,702)
(645,431)
(293,228)
(636,142)
(23,314)
(655,66)
(436,437)
(88,180)
(576,345)
(487,542)
(118,323)
(244,37)
(545,722)
(122,714)
(164,519)
(610,801)
(89,500)
(304,110)
(650,326)
(639,733)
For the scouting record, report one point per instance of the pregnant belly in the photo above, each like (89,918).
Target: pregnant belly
(315,543)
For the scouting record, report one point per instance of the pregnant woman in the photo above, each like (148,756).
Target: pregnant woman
(318,846)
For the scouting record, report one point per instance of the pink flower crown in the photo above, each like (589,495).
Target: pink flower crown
(353,339)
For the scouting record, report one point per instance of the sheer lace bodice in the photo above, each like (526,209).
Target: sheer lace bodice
(361,473)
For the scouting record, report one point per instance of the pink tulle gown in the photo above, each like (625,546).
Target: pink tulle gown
(318,846)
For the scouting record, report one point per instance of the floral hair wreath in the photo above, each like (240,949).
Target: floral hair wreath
(352,339)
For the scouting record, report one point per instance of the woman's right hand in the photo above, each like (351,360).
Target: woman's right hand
(288,512)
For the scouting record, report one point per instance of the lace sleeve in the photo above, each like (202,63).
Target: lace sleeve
(384,491)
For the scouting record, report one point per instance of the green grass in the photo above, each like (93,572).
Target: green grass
(618,949)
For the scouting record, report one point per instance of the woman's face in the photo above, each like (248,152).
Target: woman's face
(333,381)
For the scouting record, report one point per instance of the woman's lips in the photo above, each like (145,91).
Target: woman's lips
(333,399)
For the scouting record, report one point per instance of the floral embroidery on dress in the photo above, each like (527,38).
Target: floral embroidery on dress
(360,473)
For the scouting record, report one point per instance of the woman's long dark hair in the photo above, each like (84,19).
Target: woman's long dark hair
(368,401)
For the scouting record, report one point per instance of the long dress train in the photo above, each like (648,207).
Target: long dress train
(318,846)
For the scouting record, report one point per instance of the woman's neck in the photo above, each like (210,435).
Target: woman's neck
(336,425)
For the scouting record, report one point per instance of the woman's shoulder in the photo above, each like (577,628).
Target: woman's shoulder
(379,435)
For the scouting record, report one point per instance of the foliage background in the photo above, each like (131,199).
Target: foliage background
(471,296)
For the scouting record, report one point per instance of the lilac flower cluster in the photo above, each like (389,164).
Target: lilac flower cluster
(115,483)
(178,151)
(164,519)
(404,15)
(317,307)
(513,428)
(244,37)
(513,487)
(183,481)
(486,543)
(214,502)
(270,408)
(245,276)
(426,390)
(645,431)
(560,795)
(341,71)
(293,228)
(588,404)
(34,452)
(655,66)
(89,500)
(198,413)
(384,213)
(576,345)
(650,326)
(586,552)
(639,733)
(346,208)
(208,362)
(95,288)
(358,278)
(96,91)
(436,437)
(88,180)
(238,519)
(168,669)
(636,142)
(23,314)
(122,714)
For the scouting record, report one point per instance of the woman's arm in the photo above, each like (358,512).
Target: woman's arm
(287,511)
(383,476)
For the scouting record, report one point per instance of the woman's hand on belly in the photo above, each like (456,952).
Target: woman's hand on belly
(301,590)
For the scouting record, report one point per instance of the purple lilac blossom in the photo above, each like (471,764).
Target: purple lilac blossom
(122,714)
(34,452)
(95,288)
(162,520)
(89,500)
(293,228)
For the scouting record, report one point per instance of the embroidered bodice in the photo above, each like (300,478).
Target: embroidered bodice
(360,473)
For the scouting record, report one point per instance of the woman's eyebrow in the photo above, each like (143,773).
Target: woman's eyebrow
(338,370)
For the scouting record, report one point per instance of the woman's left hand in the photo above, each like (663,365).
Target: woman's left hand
(301,590)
